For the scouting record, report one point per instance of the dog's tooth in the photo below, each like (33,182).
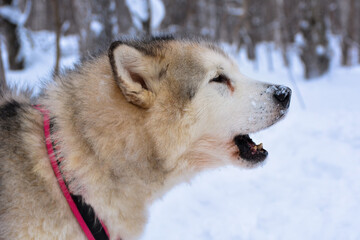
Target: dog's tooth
(260,146)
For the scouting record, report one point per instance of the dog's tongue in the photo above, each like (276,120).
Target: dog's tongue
(249,150)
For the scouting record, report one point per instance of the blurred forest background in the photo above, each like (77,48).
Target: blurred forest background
(306,25)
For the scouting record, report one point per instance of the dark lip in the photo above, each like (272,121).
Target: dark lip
(245,144)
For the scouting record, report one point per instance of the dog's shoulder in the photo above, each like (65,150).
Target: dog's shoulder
(10,118)
(14,118)
(9,110)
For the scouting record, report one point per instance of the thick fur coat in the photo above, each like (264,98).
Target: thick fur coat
(131,124)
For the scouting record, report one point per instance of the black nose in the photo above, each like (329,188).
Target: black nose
(283,95)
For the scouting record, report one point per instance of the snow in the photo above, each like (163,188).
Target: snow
(236,11)
(309,187)
(320,50)
(139,12)
(299,40)
(10,13)
(304,24)
(40,51)
(14,15)
(96,27)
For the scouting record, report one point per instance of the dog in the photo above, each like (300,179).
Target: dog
(123,128)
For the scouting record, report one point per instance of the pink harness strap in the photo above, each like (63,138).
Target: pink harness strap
(59,177)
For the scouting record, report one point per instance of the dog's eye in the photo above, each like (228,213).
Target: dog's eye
(220,79)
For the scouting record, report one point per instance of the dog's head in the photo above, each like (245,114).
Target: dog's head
(199,107)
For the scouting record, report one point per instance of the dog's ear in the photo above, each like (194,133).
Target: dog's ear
(129,67)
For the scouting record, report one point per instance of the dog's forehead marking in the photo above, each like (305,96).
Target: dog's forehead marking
(187,72)
(187,64)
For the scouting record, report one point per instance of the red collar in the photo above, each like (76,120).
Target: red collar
(93,228)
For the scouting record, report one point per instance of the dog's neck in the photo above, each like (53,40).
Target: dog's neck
(119,183)
(135,175)
(84,213)
(108,154)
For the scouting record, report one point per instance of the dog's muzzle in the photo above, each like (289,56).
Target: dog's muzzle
(248,150)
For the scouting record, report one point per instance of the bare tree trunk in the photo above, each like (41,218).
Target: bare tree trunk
(105,10)
(82,20)
(220,16)
(58,35)
(357,6)
(180,16)
(123,16)
(248,36)
(351,26)
(281,32)
(254,25)
(39,17)
(146,24)
(314,51)
(3,85)
(347,21)
(12,40)
(96,23)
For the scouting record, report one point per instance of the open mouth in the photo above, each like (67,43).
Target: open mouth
(249,151)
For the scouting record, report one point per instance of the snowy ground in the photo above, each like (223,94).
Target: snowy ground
(309,187)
